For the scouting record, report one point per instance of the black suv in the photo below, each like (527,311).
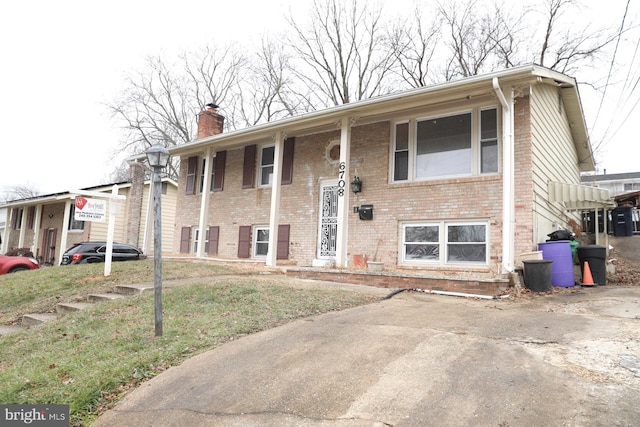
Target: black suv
(89,252)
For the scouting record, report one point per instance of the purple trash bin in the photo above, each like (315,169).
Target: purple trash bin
(559,251)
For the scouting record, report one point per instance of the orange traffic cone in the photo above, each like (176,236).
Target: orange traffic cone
(587,279)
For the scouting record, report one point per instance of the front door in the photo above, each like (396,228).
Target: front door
(327,237)
(49,249)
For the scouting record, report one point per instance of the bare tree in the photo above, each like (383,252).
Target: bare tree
(343,52)
(19,192)
(414,43)
(477,36)
(266,92)
(346,52)
(159,105)
(563,47)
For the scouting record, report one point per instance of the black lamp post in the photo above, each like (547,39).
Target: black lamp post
(158,158)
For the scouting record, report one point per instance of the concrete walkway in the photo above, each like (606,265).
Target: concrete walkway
(567,359)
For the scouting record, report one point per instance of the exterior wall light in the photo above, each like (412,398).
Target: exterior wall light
(356,185)
(158,156)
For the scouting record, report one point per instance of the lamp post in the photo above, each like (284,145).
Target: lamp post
(158,158)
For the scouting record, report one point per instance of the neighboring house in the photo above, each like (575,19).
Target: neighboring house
(46,225)
(616,183)
(456,179)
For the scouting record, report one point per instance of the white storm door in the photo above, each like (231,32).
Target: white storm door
(327,237)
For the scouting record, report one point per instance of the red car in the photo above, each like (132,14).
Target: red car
(11,264)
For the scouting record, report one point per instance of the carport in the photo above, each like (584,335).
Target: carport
(583,198)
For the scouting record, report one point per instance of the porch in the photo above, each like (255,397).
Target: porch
(403,280)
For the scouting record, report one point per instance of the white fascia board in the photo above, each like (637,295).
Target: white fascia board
(372,106)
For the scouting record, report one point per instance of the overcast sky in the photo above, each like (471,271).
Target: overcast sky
(61,60)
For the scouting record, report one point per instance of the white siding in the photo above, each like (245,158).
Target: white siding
(99,229)
(554,157)
(169,201)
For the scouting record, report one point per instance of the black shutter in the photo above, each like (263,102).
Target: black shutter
(218,178)
(287,160)
(214,237)
(31,216)
(283,242)
(185,240)
(192,169)
(244,241)
(249,168)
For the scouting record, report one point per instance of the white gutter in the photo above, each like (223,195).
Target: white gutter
(508,197)
(461,294)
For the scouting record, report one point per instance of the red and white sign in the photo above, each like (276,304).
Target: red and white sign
(90,209)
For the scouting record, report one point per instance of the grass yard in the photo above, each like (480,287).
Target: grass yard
(89,359)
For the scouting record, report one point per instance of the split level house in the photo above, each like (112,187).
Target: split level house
(46,226)
(455,179)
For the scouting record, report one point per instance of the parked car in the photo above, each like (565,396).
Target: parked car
(11,264)
(90,252)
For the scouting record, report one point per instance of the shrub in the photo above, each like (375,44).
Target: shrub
(20,252)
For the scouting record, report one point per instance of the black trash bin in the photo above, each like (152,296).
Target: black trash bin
(537,274)
(596,256)
(622,218)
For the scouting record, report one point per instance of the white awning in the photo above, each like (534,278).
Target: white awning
(576,197)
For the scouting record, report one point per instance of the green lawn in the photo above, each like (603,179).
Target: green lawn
(89,359)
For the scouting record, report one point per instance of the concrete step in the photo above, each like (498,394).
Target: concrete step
(71,307)
(37,318)
(104,297)
(133,289)
(10,329)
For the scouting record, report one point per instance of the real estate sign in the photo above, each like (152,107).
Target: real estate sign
(90,209)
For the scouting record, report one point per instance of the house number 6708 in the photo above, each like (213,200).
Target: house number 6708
(341,182)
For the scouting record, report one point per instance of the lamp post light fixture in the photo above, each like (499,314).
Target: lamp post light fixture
(158,158)
(356,185)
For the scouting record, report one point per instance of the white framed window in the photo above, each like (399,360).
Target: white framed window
(463,143)
(265,174)
(17,218)
(203,164)
(196,240)
(260,241)
(445,242)
(203,168)
(421,243)
(74,225)
(489,140)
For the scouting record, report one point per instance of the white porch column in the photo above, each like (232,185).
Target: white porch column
(204,202)
(23,227)
(36,229)
(65,228)
(274,214)
(343,193)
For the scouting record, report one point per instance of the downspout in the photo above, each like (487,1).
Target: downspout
(508,196)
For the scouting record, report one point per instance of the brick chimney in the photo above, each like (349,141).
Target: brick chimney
(134,202)
(210,122)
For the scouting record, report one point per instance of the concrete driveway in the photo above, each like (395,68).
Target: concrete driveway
(570,359)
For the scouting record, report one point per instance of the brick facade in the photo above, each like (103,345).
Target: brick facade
(471,198)
(474,198)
